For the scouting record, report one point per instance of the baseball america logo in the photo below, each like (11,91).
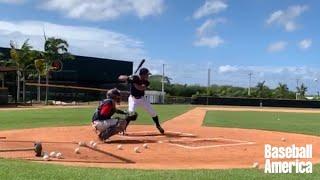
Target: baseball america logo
(298,159)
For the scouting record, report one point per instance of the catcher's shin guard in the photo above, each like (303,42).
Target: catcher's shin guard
(106,134)
(119,127)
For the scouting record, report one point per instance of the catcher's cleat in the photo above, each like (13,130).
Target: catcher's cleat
(161,130)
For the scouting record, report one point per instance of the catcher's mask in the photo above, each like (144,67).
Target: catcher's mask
(114,94)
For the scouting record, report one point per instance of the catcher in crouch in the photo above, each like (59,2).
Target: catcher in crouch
(102,119)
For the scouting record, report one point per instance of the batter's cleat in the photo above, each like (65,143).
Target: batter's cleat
(161,130)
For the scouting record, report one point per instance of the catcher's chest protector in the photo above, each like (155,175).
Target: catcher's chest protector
(98,116)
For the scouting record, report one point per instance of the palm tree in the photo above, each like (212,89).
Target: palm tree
(302,89)
(158,78)
(262,90)
(22,59)
(282,91)
(2,63)
(54,49)
(40,67)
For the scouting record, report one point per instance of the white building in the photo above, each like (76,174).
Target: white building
(154,97)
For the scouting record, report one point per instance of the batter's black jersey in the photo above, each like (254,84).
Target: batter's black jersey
(133,90)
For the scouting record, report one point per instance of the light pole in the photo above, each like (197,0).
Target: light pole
(317,91)
(249,89)
(208,87)
(162,85)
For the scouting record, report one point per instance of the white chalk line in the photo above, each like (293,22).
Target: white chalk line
(212,146)
(239,142)
(172,142)
(154,132)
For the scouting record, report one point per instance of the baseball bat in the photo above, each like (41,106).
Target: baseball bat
(140,65)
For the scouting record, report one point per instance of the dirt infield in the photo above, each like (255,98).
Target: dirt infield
(186,145)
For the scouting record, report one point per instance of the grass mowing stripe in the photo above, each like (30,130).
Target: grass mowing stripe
(304,123)
(15,169)
(75,116)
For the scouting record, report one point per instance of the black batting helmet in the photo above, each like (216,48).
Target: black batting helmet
(144,71)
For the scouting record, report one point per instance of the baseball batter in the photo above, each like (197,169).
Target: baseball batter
(138,84)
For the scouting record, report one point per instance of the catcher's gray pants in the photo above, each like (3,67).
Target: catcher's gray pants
(103,125)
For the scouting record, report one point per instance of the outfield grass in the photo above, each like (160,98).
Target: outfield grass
(303,123)
(31,118)
(14,169)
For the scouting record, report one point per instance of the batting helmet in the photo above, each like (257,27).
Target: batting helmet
(144,71)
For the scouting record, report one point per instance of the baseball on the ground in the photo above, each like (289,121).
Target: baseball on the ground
(77,150)
(283,139)
(136,150)
(59,155)
(145,146)
(46,157)
(119,147)
(82,143)
(94,145)
(52,154)
(45,154)
(255,165)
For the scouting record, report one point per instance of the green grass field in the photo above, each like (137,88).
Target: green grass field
(16,169)
(303,123)
(31,118)
(12,169)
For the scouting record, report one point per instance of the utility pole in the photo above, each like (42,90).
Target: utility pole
(208,86)
(249,89)
(317,91)
(162,88)
(297,93)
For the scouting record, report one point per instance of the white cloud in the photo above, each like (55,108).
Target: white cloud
(287,18)
(227,68)
(305,44)
(210,7)
(84,41)
(239,75)
(277,46)
(207,27)
(96,10)
(212,42)
(12,1)
(206,36)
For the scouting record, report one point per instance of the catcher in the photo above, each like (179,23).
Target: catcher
(102,119)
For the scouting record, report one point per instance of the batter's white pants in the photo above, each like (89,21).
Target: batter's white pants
(103,125)
(133,103)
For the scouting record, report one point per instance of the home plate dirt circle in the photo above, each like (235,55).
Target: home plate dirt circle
(185,145)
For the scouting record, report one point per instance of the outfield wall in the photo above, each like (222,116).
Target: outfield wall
(3,96)
(256,102)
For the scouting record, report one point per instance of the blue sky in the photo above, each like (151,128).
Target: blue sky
(275,40)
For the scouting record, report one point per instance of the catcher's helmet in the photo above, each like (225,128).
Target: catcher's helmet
(114,94)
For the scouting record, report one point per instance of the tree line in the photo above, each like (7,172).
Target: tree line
(261,90)
(31,64)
